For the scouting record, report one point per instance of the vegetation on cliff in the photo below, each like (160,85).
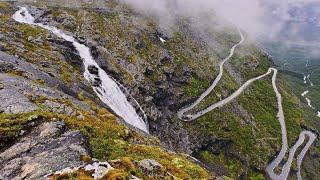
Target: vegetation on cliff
(237,140)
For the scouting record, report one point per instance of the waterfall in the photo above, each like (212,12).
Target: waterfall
(104,86)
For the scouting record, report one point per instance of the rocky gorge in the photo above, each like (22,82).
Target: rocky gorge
(50,108)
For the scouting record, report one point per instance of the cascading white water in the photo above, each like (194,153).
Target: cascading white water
(110,93)
(107,90)
(309,101)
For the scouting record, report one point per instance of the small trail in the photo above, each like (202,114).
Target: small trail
(280,115)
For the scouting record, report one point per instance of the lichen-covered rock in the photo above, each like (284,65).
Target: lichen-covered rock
(67,20)
(47,149)
(13,102)
(96,170)
(149,165)
(93,70)
(58,107)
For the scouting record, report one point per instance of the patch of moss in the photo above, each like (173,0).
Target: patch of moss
(195,86)
(232,165)
(4,5)
(116,174)
(4,8)
(13,125)
(66,72)
(226,86)
(256,176)
(29,30)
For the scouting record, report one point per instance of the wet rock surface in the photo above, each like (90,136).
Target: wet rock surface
(48,148)
(93,70)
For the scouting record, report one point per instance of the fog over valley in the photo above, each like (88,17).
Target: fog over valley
(293,22)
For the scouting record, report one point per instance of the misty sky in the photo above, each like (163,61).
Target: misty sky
(293,21)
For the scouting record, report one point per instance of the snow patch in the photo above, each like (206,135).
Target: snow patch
(162,40)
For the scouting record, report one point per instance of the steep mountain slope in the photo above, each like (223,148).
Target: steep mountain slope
(41,81)
(163,72)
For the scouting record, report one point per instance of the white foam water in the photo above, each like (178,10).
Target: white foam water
(304,93)
(108,90)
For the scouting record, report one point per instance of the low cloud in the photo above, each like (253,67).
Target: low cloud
(272,20)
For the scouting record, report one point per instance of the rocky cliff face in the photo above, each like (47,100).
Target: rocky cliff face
(52,123)
(47,102)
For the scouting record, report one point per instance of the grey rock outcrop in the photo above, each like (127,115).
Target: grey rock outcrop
(47,149)
(149,165)
(67,20)
(13,102)
(58,108)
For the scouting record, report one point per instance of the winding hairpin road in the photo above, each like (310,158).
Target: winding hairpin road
(284,148)
(213,85)
(118,106)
